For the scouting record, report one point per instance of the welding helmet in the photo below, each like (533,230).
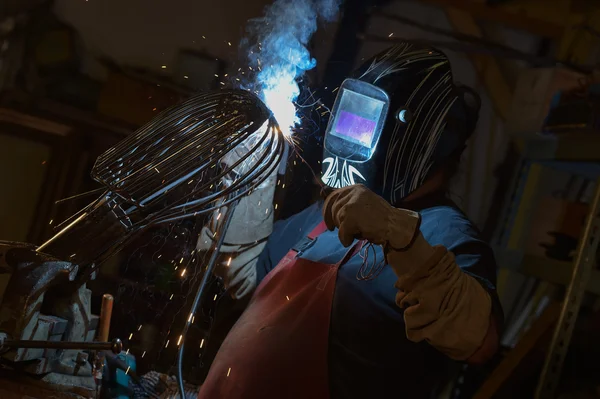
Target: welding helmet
(395,121)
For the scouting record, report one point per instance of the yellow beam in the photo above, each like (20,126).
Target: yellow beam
(534,16)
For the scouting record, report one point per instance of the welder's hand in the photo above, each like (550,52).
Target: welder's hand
(359,213)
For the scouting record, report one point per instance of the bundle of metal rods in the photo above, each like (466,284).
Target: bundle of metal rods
(182,150)
(191,159)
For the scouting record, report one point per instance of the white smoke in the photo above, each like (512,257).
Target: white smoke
(280,55)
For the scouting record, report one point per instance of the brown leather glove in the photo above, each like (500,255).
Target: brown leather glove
(443,305)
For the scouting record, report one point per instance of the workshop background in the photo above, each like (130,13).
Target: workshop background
(78,76)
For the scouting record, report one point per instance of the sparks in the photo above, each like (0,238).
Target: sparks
(183,272)
(167,343)
(185,77)
(130,336)
(140,327)
(179,340)
(190,318)
(144,354)
(164,67)
(202,343)
(127,371)
(287,297)
(228,371)
(229,262)
(171,297)
(215,298)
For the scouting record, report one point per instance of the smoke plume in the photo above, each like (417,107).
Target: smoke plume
(279,53)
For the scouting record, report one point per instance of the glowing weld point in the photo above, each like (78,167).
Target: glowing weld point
(228,371)
(201,343)
(127,371)
(130,336)
(144,354)
(179,340)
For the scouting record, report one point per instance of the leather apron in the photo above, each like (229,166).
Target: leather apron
(279,347)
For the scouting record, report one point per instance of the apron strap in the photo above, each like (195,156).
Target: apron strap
(318,230)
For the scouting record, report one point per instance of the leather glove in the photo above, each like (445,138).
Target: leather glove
(358,212)
(443,305)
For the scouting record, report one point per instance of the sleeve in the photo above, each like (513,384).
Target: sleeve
(246,238)
(448,291)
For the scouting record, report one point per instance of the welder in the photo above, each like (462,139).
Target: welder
(367,293)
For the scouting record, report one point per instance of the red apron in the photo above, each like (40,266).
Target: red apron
(278,347)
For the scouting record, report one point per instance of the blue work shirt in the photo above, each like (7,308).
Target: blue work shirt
(369,354)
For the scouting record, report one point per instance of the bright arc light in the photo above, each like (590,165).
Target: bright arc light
(280,92)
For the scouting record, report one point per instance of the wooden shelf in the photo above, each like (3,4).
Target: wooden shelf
(551,270)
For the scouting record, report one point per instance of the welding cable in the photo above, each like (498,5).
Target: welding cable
(200,294)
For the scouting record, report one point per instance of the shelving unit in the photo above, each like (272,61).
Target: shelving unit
(578,154)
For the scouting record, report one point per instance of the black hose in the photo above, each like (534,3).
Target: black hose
(200,293)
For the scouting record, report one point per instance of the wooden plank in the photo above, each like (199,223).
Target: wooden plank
(487,67)
(527,343)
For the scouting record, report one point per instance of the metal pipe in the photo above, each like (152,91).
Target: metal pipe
(115,345)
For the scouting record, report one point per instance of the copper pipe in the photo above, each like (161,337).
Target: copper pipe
(105,315)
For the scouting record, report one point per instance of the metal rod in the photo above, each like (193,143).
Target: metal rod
(201,293)
(105,315)
(98,346)
(555,356)
(60,233)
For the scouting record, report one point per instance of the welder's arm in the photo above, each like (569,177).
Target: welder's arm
(443,305)
(251,225)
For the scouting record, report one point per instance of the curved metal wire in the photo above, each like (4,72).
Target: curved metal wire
(192,159)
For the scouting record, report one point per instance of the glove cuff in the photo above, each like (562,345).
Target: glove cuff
(402,230)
